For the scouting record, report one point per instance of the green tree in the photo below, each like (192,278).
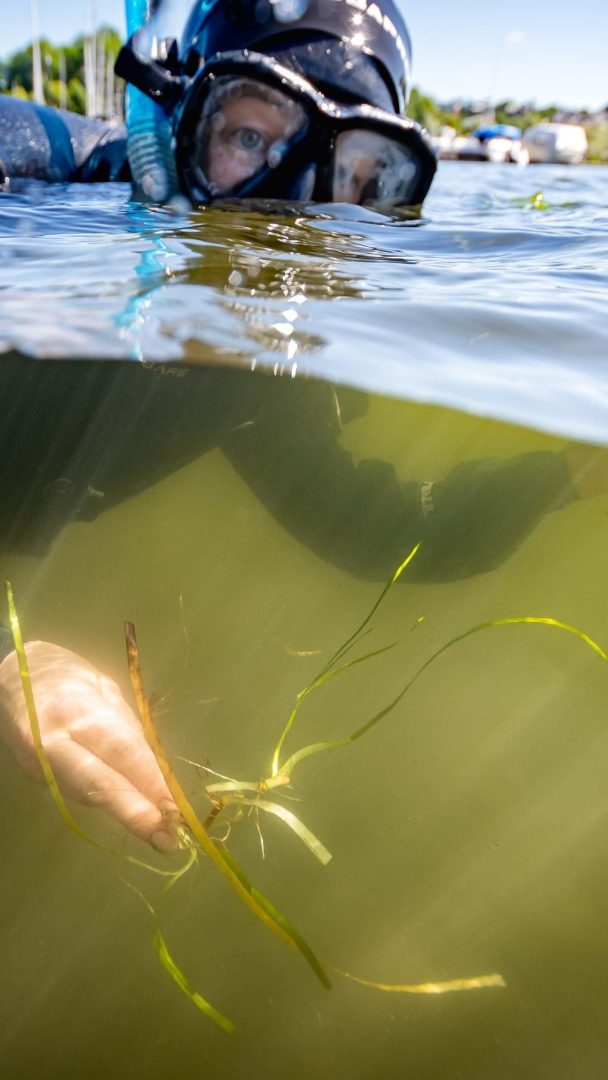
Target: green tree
(423,110)
(597,135)
(77,100)
(63,61)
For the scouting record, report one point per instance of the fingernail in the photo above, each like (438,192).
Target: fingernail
(163,841)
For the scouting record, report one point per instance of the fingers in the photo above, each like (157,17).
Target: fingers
(91,709)
(95,742)
(83,775)
(124,749)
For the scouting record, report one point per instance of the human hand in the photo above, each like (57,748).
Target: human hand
(94,742)
(588,467)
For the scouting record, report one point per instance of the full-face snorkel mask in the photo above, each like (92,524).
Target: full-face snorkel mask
(249,124)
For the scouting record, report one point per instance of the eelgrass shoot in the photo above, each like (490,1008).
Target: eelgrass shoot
(252,795)
(229,791)
(259,904)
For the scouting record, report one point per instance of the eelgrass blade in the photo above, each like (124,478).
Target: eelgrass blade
(533,620)
(161,950)
(179,978)
(306,836)
(226,783)
(229,786)
(477,982)
(175,877)
(539,620)
(260,905)
(275,914)
(336,744)
(322,678)
(28,694)
(45,764)
(348,644)
(326,671)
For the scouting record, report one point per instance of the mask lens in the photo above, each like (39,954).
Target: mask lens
(245,126)
(370,167)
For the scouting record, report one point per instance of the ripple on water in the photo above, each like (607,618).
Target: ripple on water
(493,302)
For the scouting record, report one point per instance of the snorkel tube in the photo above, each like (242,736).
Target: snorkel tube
(148,127)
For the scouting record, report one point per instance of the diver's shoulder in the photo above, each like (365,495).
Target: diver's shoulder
(45,143)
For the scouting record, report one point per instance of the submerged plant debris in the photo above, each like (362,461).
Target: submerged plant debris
(248,797)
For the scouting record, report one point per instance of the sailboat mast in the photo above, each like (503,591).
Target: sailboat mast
(36,57)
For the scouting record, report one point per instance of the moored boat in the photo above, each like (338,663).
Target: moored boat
(561,144)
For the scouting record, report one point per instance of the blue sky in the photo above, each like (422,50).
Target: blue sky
(528,51)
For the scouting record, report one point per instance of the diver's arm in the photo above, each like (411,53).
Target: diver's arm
(588,467)
(38,142)
(483,510)
(480,513)
(362,518)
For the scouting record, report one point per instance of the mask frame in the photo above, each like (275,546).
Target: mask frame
(326,120)
(183,98)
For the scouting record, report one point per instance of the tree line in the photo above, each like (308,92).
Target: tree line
(69,70)
(78,76)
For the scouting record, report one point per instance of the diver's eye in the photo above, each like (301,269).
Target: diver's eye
(249,139)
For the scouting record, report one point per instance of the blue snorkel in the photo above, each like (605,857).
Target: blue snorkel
(148,127)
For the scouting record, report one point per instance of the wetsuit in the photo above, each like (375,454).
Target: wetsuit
(81,436)
(41,143)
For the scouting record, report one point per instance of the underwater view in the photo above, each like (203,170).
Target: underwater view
(346,477)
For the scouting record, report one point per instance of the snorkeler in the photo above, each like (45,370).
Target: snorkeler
(286,100)
(289,99)
(283,99)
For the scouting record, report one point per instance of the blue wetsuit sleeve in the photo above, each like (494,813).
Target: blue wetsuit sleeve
(41,143)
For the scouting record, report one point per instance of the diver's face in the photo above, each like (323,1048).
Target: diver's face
(244,132)
(246,129)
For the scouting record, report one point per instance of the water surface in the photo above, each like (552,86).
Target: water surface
(493,303)
(467,829)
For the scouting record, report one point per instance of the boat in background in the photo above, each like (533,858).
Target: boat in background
(494,143)
(560,144)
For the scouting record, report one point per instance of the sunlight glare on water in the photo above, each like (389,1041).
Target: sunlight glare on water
(490,304)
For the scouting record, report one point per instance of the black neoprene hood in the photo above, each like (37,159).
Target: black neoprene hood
(363,39)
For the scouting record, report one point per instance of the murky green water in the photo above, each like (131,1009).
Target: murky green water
(468,828)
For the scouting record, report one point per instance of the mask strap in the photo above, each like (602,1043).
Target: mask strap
(158,79)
